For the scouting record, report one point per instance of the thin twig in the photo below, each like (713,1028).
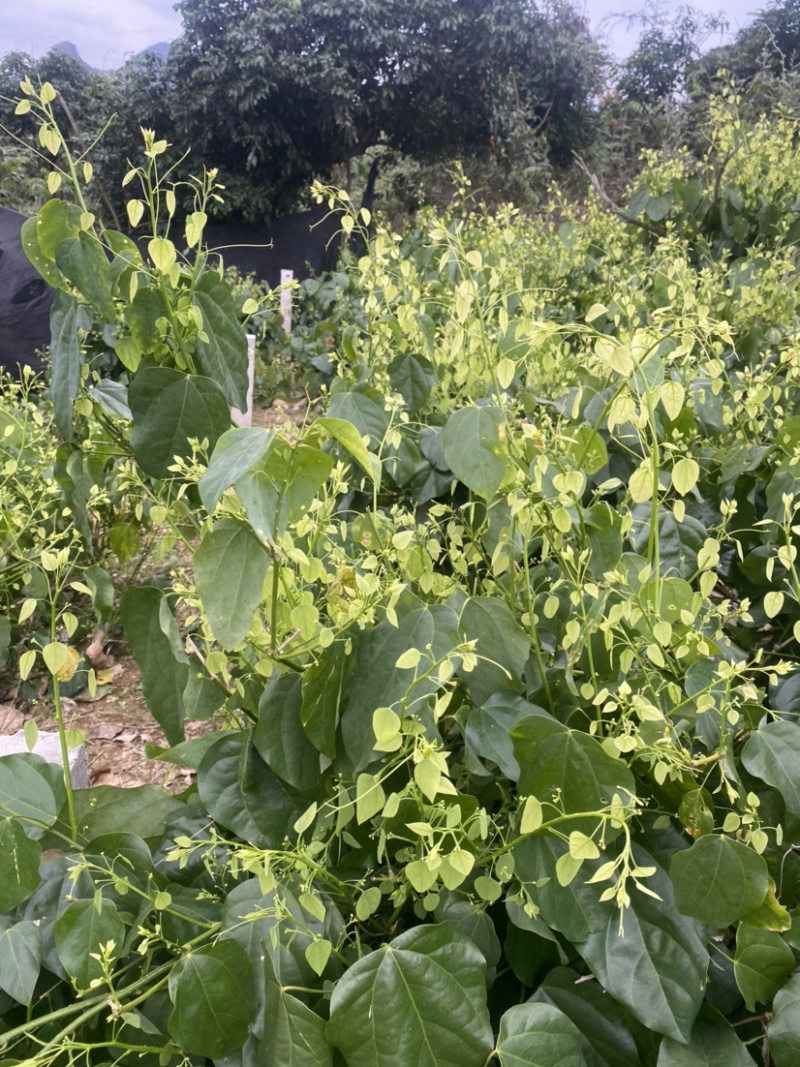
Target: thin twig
(657,231)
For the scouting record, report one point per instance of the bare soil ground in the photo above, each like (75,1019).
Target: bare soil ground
(117,725)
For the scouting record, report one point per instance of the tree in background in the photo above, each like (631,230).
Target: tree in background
(280,91)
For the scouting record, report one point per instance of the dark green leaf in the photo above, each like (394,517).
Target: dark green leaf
(142,313)
(20,960)
(363,407)
(236,452)
(83,262)
(503,647)
(784,1026)
(280,488)
(322,688)
(295,1035)
(112,398)
(230,568)
(538,1035)
(473,448)
(472,922)
(773,754)
(164,677)
(657,966)
(712,1044)
(169,408)
(79,935)
(211,990)
(487,729)
(280,737)
(27,793)
(44,264)
(762,963)
(718,880)
(141,810)
(378,682)
(607,1041)
(241,792)
(57,220)
(577,767)
(20,858)
(223,357)
(422,997)
(65,353)
(412,377)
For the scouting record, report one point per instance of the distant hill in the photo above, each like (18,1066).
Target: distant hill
(68,48)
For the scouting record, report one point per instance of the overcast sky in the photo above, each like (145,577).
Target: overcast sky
(105,31)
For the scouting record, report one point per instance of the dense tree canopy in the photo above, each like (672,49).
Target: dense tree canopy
(279,91)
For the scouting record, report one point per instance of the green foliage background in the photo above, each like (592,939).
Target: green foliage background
(502,647)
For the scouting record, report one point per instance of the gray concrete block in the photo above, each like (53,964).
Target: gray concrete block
(48,746)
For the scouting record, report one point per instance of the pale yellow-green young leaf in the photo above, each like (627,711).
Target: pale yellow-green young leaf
(662,631)
(306,819)
(366,215)
(506,369)
(88,170)
(621,361)
(582,847)
(75,738)
(23,107)
(488,889)
(796,630)
(685,474)
(86,220)
(551,606)
(640,485)
(162,901)
(566,868)
(532,816)
(385,724)
(48,93)
(410,658)
(128,353)
(129,176)
(773,602)
(368,903)
(162,252)
(672,396)
(171,204)
(317,955)
(428,777)
(250,306)
(594,312)
(475,259)
(55,656)
(26,662)
(31,731)
(195,224)
(461,861)
(53,182)
(348,222)
(420,875)
(27,609)
(135,209)
(655,655)
(370,797)
(311,903)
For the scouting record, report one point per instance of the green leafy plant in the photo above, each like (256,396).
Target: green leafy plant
(503,648)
